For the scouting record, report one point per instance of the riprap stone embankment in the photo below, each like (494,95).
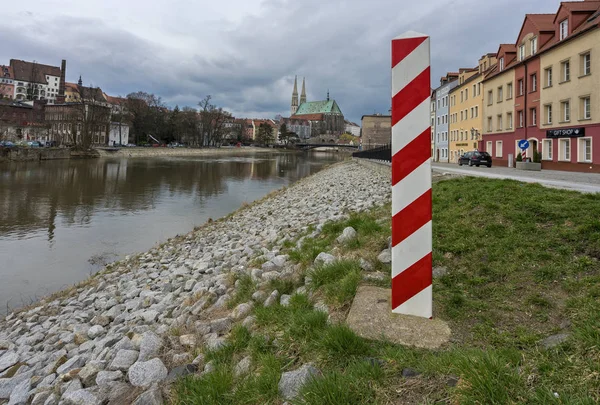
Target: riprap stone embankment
(111,340)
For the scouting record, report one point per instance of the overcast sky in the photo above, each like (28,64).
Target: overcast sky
(245,53)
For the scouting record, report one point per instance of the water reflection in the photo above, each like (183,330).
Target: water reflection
(60,221)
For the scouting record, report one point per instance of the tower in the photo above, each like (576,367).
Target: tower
(80,82)
(327,94)
(295,97)
(303,95)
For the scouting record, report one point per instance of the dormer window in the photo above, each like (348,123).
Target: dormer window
(533,45)
(564,29)
(522,52)
(501,64)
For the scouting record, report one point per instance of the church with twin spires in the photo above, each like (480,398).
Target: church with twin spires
(325,116)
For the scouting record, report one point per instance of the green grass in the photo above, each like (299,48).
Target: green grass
(244,292)
(523,264)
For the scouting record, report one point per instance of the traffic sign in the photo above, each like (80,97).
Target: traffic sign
(524,144)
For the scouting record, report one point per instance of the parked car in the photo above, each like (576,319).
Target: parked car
(7,144)
(33,144)
(51,144)
(475,158)
(131,145)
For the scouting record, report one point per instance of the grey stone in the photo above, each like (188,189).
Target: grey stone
(150,346)
(324,259)
(71,364)
(52,400)
(8,360)
(199,361)
(271,275)
(409,372)
(123,360)
(221,325)
(209,367)
(188,341)
(146,373)
(181,358)
(249,322)
(7,385)
(272,299)
(74,385)
(385,256)
(82,397)
(214,342)
(243,367)
(41,397)
(241,311)
(95,331)
(181,371)
(151,397)
(292,382)
(280,260)
(21,393)
(259,296)
(377,276)
(348,235)
(104,376)
(439,271)
(285,300)
(47,381)
(365,264)
(268,267)
(555,340)
(89,372)
(150,316)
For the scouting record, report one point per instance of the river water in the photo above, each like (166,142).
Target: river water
(61,221)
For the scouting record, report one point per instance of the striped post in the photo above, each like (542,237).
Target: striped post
(411,176)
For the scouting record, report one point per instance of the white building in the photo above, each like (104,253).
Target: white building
(352,128)
(35,81)
(119,134)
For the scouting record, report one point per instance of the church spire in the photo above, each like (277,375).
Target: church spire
(303,95)
(80,82)
(327,94)
(294,107)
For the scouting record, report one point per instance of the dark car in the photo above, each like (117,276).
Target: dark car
(475,158)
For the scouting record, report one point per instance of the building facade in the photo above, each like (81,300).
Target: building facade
(555,68)
(352,128)
(442,112)
(432,122)
(35,81)
(298,126)
(7,86)
(376,131)
(466,109)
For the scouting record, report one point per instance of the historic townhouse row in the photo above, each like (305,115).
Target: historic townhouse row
(546,88)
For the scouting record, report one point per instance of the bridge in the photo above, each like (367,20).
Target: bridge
(307,146)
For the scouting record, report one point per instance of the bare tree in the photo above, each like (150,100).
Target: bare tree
(212,123)
(90,118)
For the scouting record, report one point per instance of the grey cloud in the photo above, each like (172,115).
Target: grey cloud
(248,66)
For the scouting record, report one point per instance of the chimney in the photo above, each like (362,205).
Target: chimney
(61,87)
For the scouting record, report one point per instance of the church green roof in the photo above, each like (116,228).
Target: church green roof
(319,107)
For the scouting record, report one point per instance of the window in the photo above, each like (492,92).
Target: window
(476,111)
(521,119)
(548,113)
(586,64)
(499,149)
(474,90)
(522,52)
(490,97)
(521,87)
(466,94)
(488,147)
(548,77)
(509,120)
(533,82)
(547,149)
(500,95)
(566,71)
(499,120)
(585,108)
(501,64)
(489,124)
(564,149)
(585,149)
(462,98)
(566,109)
(533,45)
(461,115)
(533,117)
(564,29)
(509,91)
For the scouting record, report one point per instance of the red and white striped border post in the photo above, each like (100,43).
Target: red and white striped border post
(411,176)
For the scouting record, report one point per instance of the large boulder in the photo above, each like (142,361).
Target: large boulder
(146,373)
(292,382)
(348,235)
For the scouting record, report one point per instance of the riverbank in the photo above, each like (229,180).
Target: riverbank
(133,325)
(165,152)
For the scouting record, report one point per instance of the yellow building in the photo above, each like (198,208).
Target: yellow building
(570,96)
(466,109)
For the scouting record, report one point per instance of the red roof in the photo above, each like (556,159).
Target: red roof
(310,117)
(543,22)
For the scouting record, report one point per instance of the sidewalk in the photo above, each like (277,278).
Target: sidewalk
(583,182)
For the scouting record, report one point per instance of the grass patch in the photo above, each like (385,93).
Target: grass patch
(523,264)
(244,292)
(338,280)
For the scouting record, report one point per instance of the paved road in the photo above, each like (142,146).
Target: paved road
(584,182)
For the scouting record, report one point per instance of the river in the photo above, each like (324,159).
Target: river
(62,221)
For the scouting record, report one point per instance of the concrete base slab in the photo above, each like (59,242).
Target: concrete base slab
(371,317)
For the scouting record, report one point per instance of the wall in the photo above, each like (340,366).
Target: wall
(503,107)
(460,138)
(376,130)
(33,154)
